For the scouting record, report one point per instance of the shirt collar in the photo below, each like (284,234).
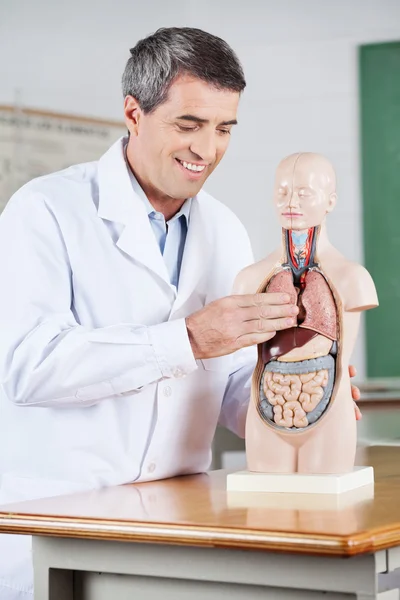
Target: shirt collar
(151,212)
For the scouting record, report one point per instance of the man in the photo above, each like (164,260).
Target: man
(121,347)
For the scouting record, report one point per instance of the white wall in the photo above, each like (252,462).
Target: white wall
(300,59)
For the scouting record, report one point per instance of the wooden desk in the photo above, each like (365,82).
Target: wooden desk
(186,539)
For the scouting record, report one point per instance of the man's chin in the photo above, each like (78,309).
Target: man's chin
(183,193)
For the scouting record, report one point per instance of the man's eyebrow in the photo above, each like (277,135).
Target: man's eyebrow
(231,122)
(195,119)
(192,118)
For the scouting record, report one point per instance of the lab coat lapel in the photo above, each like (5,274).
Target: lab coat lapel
(119,203)
(196,254)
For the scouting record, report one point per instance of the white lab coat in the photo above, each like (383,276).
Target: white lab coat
(98,381)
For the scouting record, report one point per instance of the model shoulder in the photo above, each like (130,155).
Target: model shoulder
(357,287)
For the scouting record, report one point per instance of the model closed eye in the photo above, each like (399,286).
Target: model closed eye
(305,193)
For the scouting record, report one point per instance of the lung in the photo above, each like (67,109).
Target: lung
(319,306)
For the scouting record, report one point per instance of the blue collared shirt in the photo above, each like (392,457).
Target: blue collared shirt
(170,235)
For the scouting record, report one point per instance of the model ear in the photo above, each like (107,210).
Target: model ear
(331,202)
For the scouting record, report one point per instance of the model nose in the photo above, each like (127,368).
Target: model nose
(294,201)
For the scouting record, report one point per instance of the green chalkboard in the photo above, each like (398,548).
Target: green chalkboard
(380,150)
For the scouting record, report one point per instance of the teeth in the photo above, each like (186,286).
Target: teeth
(190,167)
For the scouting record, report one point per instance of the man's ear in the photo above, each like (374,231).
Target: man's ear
(132,112)
(332,202)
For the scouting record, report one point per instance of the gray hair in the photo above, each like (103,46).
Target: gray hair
(159,58)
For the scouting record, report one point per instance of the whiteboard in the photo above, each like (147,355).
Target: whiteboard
(34,143)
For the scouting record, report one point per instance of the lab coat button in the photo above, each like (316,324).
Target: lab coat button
(167,391)
(178,373)
(151,467)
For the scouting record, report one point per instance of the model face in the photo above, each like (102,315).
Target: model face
(304,191)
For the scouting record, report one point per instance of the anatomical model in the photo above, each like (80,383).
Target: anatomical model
(301,416)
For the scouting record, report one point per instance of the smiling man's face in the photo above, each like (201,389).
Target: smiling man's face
(173,149)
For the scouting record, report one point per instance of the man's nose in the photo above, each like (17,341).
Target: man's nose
(204,146)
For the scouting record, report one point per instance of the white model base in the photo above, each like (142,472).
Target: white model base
(295,483)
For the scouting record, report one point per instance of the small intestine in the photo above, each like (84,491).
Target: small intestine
(293,396)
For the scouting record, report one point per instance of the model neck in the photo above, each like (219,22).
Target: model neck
(302,247)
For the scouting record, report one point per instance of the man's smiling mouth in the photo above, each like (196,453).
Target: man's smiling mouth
(195,168)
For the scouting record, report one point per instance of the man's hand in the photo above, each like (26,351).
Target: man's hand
(355,393)
(235,322)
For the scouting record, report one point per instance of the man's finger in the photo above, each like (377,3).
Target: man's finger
(251,339)
(269,312)
(358,412)
(355,392)
(352,371)
(274,298)
(267,325)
